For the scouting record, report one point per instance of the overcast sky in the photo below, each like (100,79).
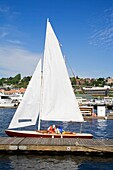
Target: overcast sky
(83,27)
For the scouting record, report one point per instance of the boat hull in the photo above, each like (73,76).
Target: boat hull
(42,134)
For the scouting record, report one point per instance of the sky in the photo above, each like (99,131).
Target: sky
(83,27)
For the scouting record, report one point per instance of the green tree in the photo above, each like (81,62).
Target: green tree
(16,79)
(73,81)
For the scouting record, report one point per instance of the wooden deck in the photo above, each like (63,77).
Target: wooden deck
(86,146)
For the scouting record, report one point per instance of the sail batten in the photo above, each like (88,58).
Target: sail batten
(29,108)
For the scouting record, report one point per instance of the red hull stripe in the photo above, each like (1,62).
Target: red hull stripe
(46,135)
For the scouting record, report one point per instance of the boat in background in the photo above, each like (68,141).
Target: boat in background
(16,97)
(7,102)
(49,96)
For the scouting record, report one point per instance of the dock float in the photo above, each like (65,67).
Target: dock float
(69,146)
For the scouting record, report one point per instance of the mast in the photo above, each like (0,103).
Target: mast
(40,109)
(41,91)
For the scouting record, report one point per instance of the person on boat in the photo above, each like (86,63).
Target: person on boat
(59,130)
(52,129)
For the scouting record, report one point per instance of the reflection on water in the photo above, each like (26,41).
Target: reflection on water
(40,162)
(101,128)
(101,123)
(32,162)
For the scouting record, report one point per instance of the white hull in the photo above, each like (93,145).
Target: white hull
(44,134)
(8,105)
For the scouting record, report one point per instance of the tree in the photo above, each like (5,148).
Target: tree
(16,79)
(73,81)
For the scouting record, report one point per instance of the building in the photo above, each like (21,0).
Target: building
(13,91)
(110,93)
(109,80)
(97,91)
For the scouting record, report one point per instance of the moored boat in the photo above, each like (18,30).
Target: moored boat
(45,134)
(49,96)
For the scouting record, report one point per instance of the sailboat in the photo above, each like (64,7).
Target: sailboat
(49,96)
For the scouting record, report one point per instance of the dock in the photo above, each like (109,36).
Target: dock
(57,145)
(109,117)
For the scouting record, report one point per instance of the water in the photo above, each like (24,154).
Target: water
(99,128)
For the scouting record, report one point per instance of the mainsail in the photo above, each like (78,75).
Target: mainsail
(29,108)
(55,100)
(58,102)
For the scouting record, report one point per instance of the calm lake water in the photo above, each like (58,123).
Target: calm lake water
(99,128)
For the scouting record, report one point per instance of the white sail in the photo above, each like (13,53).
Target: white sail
(58,101)
(28,110)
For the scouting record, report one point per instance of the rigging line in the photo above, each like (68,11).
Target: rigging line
(73,73)
(70,66)
(65,59)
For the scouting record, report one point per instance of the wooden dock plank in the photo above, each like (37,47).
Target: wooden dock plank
(10,140)
(48,141)
(56,144)
(86,142)
(2,139)
(107,142)
(91,142)
(9,143)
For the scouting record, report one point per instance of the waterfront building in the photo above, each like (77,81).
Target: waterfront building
(97,91)
(110,93)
